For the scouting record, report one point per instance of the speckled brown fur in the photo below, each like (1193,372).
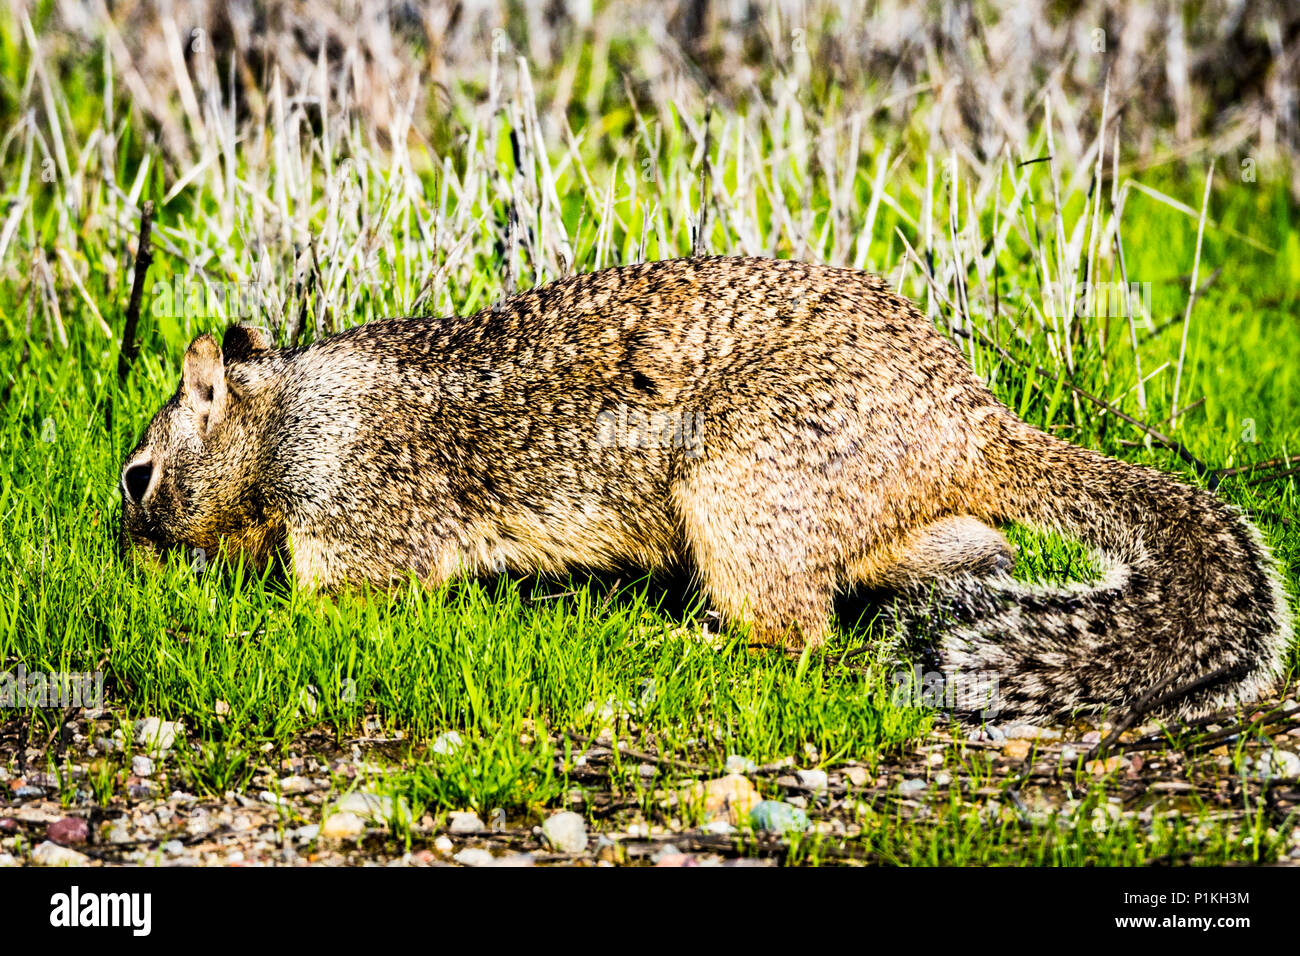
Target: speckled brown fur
(810,429)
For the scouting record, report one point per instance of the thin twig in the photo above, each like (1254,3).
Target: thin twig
(1258,466)
(1150,700)
(143,258)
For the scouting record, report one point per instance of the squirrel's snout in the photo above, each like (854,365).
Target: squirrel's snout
(137,478)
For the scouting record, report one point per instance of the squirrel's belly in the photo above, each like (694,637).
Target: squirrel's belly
(558,537)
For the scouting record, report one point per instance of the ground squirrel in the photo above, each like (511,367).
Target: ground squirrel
(785,429)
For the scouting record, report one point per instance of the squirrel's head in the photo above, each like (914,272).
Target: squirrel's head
(190,484)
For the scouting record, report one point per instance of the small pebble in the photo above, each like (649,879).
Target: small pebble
(1277,763)
(473,856)
(1017,749)
(814,780)
(447,743)
(68,831)
(1099,768)
(443,844)
(565,832)
(857,776)
(173,847)
(296,784)
(342,826)
(731,796)
(738,764)
(142,766)
(51,854)
(666,850)
(777,816)
(465,823)
(158,735)
(371,806)
(1030,732)
(28,793)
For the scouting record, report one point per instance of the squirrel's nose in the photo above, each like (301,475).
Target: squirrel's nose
(136,480)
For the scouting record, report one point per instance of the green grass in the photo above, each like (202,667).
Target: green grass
(251,665)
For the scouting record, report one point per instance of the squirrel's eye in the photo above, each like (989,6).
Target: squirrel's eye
(135,481)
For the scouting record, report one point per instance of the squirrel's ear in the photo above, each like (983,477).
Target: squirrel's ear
(241,341)
(203,382)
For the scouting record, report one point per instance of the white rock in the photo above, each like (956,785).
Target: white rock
(158,735)
(296,784)
(342,826)
(464,823)
(8,859)
(473,856)
(814,780)
(443,844)
(1277,763)
(51,854)
(738,764)
(447,743)
(565,832)
(857,776)
(371,806)
(142,766)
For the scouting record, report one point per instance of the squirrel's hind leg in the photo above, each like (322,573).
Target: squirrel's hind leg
(757,553)
(954,546)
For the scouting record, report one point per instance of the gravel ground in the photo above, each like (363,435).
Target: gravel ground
(324,804)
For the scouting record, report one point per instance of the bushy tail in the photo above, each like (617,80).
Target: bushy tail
(1190,593)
